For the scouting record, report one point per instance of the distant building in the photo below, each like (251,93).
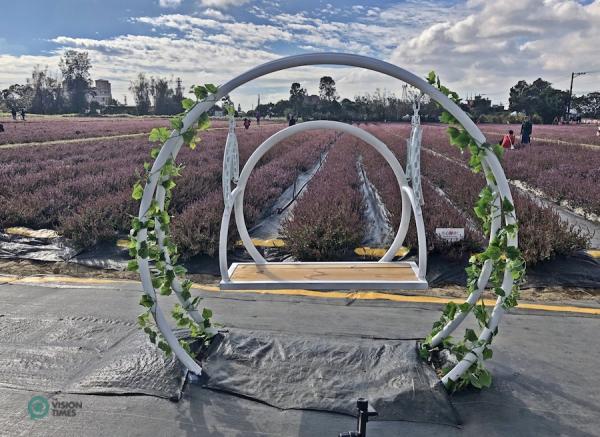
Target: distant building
(101,93)
(311,100)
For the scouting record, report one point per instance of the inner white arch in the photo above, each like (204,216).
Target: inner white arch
(237,196)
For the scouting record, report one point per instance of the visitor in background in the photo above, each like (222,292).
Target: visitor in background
(292,121)
(246,123)
(257,118)
(1,127)
(23,114)
(13,111)
(508,142)
(526,129)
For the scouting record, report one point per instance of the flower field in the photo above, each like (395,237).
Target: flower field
(83,189)
(39,129)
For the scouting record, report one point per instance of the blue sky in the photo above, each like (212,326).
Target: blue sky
(477,46)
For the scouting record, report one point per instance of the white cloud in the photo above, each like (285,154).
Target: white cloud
(222,4)
(217,15)
(169,3)
(498,43)
(477,46)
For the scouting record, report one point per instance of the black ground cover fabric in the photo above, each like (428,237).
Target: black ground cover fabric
(328,373)
(84,355)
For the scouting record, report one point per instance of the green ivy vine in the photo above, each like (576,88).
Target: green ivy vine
(163,255)
(499,253)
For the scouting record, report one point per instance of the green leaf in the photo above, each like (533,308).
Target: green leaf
(200,92)
(431,77)
(169,184)
(164,346)
(132,265)
(146,301)
(485,378)
(138,191)
(470,335)
(154,152)
(177,123)
(206,313)
(211,88)
(203,122)
(187,104)
(487,354)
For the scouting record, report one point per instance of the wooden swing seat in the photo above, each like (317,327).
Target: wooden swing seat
(325,276)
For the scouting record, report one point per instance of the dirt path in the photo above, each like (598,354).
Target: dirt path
(83,140)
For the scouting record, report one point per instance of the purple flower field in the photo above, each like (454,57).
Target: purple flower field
(83,189)
(327,222)
(40,129)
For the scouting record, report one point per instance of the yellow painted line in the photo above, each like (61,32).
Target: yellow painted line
(32,233)
(123,243)
(361,251)
(276,242)
(361,295)
(68,280)
(378,252)
(595,253)
(374,295)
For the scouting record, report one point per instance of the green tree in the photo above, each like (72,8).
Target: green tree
(538,98)
(75,68)
(297,94)
(162,95)
(588,105)
(140,87)
(18,97)
(327,90)
(47,96)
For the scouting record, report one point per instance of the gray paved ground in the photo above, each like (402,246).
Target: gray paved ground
(545,367)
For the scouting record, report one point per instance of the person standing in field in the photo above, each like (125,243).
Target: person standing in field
(508,142)
(13,111)
(246,123)
(23,114)
(292,121)
(257,118)
(526,130)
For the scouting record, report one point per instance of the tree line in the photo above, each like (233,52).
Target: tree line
(71,92)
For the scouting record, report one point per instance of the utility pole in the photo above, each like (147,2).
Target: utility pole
(573,76)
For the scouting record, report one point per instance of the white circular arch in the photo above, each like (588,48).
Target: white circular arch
(497,182)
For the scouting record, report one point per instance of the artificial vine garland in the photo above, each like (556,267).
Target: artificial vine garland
(158,248)
(499,253)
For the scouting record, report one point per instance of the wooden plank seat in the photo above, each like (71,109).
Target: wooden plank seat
(324,276)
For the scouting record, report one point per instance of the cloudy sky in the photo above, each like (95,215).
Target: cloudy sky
(477,46)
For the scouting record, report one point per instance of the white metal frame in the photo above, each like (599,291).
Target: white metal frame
(154,191)
(235,201)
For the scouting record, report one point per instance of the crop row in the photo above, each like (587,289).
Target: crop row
(196,229)
(327,221)
(84,190)
(53,129)
(542,233)
(573,133)
(561,172)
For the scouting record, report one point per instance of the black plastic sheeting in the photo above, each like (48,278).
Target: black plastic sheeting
(39,249)
(328,374)
(84,355)
(577,270)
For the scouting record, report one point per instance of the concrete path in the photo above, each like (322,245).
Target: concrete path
(546,377)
